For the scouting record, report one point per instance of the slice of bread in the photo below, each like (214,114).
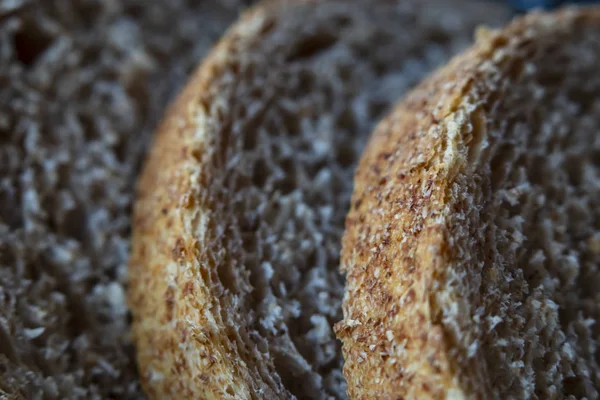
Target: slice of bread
(473,243)
(234,281)
(82,85)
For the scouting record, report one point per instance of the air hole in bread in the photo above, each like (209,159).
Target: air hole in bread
(346,154)
(377,107)
(225,271)
(10,207)
(312,46)
(261,173)
(291,124)
(346,121)
(342,20)
(596,159)
(438,36)
(250,139)
(30,42)
(500,165)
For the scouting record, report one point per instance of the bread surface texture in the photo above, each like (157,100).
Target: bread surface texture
(82,86)
(234,281)
(471,248)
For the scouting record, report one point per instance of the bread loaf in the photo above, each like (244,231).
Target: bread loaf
(234,282)
(472,248)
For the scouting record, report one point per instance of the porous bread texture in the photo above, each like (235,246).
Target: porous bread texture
(234,281)
(472,244)
(82,84)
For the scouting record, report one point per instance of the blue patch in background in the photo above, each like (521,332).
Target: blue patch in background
(523,5)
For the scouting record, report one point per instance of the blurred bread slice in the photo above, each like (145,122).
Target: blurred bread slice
(472,244)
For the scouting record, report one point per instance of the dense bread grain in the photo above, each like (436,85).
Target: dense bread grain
(82,83)
(472,246)
(234,270)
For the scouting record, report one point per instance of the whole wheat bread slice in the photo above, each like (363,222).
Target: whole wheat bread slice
(234,281)
(473,243)
(82,85)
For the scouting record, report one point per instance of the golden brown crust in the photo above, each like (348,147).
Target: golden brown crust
(397,242)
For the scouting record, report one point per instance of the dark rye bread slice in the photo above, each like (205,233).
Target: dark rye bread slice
(473,243)
(234,282)
(82,84)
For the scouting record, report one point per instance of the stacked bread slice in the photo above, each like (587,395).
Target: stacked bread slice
(473,243)
(470,269)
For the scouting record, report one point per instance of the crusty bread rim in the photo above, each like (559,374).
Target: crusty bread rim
(178,163)
(420,148)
